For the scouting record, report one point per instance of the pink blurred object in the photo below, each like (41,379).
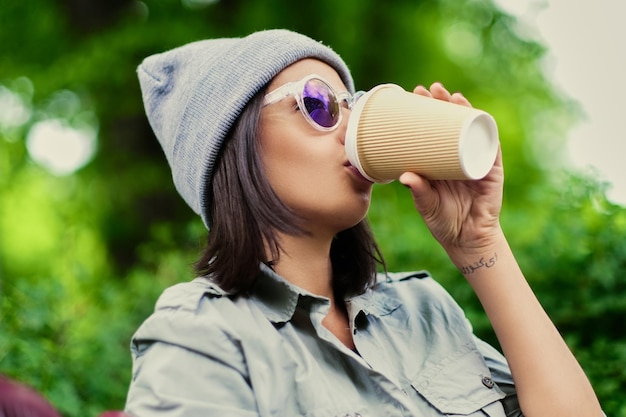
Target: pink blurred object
(20,400)
(114,414)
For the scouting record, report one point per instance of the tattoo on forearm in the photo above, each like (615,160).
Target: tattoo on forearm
(482,263)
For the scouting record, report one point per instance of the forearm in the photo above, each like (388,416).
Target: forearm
(548,379)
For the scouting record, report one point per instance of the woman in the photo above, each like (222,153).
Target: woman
(288,316)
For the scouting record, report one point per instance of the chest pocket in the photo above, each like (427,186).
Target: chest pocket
(460,385)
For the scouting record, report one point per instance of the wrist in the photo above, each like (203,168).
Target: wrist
(478,255)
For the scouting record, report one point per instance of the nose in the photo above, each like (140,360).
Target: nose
(347,111)
(342,129)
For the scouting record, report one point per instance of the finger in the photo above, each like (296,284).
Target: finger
(438,91)
(422,91)
(498,165)
(459,98)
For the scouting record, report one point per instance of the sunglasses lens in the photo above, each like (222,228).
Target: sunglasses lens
(320,103)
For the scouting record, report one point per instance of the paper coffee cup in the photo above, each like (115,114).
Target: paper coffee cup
(392,131)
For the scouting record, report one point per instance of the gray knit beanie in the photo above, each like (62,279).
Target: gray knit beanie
(194,94)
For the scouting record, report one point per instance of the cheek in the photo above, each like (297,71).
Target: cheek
(294,181)
(299,180)
(282,166)
(286,160)
(283,162)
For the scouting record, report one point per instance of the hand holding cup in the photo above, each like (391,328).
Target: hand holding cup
(392,131)
(462,215)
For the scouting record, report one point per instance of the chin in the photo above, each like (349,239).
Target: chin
(354,220)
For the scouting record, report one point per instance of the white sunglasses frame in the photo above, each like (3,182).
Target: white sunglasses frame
(295,89)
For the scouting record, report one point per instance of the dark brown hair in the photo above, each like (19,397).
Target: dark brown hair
(246,214)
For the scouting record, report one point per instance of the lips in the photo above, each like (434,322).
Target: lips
(356,172)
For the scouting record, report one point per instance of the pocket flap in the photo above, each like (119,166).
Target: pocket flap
(458,384)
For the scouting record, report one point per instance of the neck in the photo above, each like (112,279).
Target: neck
(305,261)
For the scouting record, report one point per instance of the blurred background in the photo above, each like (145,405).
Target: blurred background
(92,230)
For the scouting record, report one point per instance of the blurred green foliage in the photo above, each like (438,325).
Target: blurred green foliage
(83,257)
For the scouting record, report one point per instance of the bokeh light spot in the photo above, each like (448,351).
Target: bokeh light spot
(60,148)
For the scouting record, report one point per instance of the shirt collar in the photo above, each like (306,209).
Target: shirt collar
(374,302)
(278,298)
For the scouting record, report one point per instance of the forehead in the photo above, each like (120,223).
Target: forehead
(304,67)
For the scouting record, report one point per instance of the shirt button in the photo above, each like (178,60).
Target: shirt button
(488,382)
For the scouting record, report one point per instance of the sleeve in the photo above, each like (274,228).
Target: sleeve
(501,375)
(188,361)
(172,381)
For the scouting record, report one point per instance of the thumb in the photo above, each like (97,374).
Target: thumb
(421,190)
(414,182)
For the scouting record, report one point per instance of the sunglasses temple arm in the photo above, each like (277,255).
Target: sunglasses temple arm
(278,94)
